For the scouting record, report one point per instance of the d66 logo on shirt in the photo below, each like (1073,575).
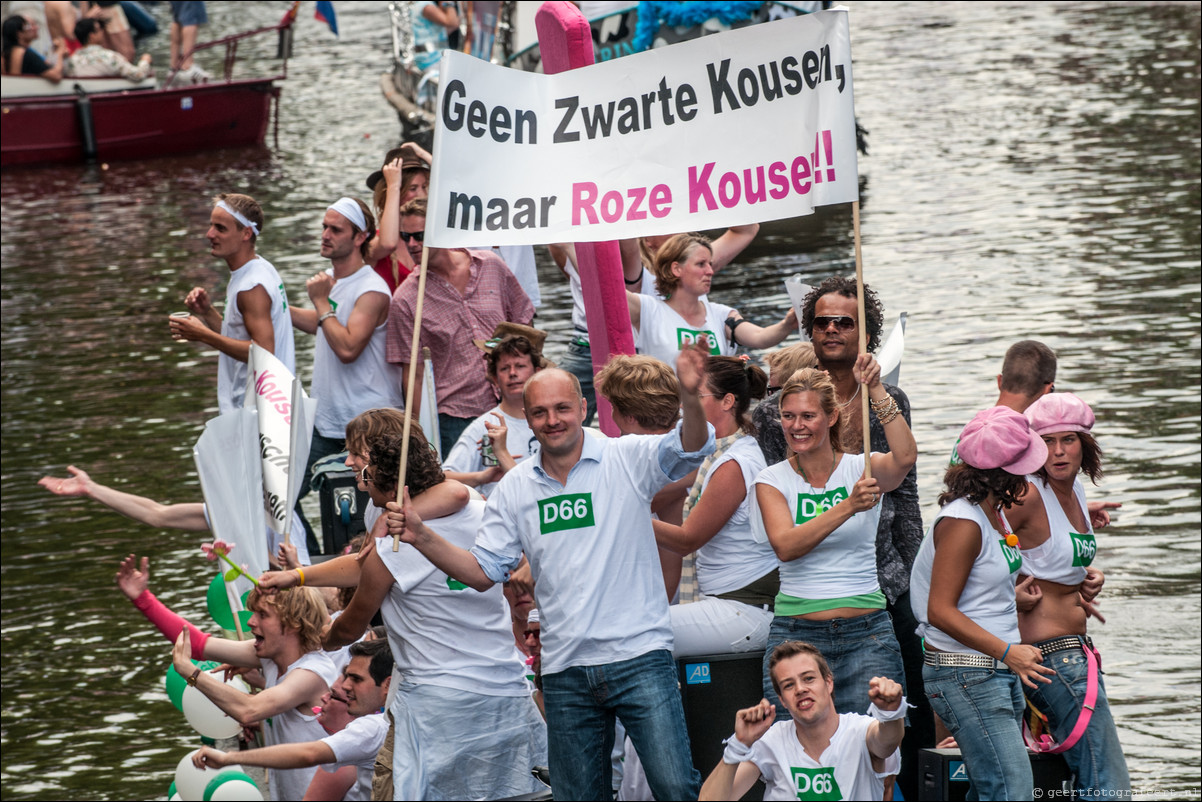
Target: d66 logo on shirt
(571,511)
(816,784)
(1084,548)
(811,505)
(689,336)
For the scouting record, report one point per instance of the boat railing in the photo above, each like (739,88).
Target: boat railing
(284,27)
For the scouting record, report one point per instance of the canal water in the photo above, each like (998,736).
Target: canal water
(1033,173)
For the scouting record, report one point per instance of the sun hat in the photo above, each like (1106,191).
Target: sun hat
(506,329)
(999,437)
(409,157)
(1059,412)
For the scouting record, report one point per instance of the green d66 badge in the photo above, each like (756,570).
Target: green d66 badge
(816,784)
(1084,548)
(571,511)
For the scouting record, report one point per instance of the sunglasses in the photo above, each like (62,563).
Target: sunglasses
(417,235)
(842,322)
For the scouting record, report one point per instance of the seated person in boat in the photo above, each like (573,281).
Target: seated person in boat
(819,754)
(348,753)
(286,648)
(94,60)
(20,59)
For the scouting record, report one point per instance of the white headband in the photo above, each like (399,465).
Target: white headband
(241,218)
(350,210)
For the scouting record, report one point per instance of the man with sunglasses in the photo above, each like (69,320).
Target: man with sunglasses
(830,317)
(467,294)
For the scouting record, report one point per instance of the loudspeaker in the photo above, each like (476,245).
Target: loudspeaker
(713,688)
(342,506)
(941,775)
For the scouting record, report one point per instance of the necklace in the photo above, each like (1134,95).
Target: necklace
(853,398)
(800,470)
(1011,538)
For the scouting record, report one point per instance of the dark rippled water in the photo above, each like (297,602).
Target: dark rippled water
(1034,172)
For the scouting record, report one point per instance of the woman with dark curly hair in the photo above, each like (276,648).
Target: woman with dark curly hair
(963,594)
(1058,549)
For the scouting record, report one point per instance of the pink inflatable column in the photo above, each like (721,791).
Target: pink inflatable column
(565,42)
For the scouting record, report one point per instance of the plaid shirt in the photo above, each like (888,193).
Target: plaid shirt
(450,321)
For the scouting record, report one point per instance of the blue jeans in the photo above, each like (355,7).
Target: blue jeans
(582,704)
(449,429)
(856,649)
(579,362)
(982,708)
(1096,760)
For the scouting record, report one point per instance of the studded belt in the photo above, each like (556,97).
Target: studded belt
(1064,644)
(962,660)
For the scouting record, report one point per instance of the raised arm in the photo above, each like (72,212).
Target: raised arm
(890,468)
(690,372)
(298,688)
(723,494)
(189,516)
(752,336)
(455,562)
(885,733)
(389,234)
(735,774)
(280,756)
(369,312)
(732,243)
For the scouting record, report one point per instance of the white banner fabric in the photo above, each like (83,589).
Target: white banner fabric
(739,127)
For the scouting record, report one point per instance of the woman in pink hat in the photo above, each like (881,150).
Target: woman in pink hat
(963,592)
(1058,548)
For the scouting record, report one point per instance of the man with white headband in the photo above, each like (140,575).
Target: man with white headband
(350,307)
(256,307)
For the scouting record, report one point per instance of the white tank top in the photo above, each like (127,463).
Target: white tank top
(844,563)
(293,727)
(662,332)
(231,374)
(1065,555)
(733,558)
(346,389)
(988,595)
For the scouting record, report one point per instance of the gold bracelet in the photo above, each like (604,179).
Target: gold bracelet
(888,416)
(882,404)
(301,574)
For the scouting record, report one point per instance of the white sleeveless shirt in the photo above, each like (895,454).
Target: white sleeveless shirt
(1065,555)
(988,595)
(232,374)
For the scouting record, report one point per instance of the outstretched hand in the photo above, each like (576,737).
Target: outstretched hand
(885,693)
(1099,512)
(206,757)
(133,580)
(690,368)
(75,486)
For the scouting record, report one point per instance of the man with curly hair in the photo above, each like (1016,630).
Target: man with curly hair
(830,317)
(286,649)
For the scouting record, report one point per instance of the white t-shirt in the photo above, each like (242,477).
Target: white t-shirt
(441,631)
(662,332)
(988,595)
(520,261)
(1065,555)
(232,374)
(292,726)
(345,389)
(844,563)
(591,547)
(843,772)
(733,558)
(357,745)
(465,456)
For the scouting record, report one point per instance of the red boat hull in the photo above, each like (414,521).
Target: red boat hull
(137,124)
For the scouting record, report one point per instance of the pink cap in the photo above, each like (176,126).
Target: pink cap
(999,437)
(1059,412)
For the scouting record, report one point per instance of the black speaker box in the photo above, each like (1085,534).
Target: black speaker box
(342,506)
(941,775)
(713,688)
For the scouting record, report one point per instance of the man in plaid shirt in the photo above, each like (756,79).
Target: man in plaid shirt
(467,294)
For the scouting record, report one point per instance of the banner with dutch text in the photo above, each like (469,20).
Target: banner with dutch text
(744,126)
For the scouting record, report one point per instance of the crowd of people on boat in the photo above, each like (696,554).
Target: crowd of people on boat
(536,580)
(95,40)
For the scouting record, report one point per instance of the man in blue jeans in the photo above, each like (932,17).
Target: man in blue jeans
(580,511)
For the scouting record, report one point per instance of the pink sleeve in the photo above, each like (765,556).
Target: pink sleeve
(170,624)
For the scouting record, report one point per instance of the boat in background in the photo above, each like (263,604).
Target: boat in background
(503,32)
(82,119)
